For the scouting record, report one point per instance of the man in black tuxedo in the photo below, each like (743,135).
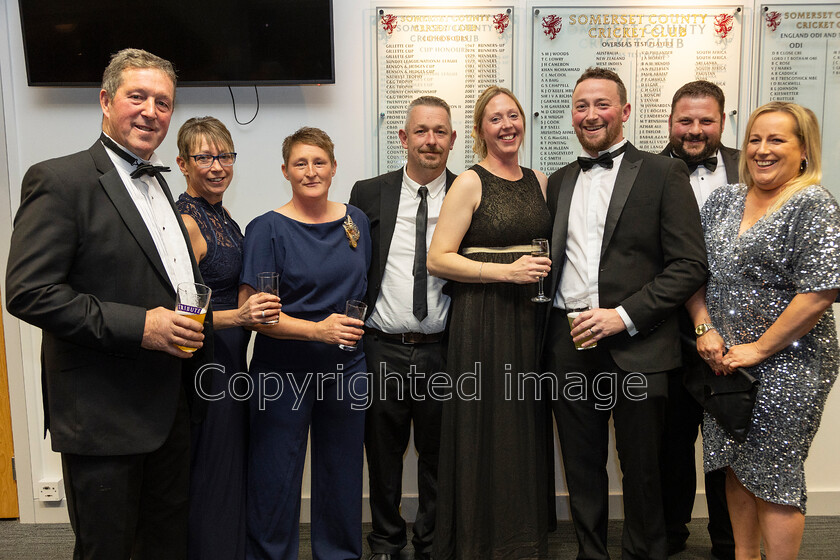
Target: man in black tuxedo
(96,254)
(626,236)
(695,127)
(405,327)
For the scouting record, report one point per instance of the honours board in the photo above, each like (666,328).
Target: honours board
(453,53)
(654,50)
(799,61)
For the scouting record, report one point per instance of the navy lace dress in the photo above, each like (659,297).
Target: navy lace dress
(219,443)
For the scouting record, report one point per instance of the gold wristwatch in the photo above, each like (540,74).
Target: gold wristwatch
(703,328)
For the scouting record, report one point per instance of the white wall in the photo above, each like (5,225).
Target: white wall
(46,122)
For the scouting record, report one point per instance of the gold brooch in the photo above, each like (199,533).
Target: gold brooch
(352,231)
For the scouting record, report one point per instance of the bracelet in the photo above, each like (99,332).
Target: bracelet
(479,272)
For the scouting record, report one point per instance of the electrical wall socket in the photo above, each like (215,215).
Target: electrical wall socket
(51,489)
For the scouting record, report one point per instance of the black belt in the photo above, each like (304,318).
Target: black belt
(407,337)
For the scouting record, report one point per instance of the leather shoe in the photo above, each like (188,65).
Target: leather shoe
(382,556)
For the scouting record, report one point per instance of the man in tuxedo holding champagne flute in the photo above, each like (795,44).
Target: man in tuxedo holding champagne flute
(97,253)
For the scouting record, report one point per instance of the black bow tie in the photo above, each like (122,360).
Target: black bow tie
(605,160)
(148,169)
(709,163)
(142,168)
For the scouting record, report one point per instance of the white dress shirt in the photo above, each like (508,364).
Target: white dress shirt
(587,217)
(393,312)
(159,217)
(704,182)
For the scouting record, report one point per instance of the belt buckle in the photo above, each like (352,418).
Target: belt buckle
(404,341)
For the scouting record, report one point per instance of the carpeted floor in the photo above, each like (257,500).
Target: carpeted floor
(55,542)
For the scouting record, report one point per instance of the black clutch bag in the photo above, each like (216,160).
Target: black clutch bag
(729,399)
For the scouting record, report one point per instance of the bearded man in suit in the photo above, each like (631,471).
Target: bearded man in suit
(627,237)
(695,127)
(97,252)
(405,328)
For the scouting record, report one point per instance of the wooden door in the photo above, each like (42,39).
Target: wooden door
(8,486)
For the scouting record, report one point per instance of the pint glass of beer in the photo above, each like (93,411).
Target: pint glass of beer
(574,307)
(193,301)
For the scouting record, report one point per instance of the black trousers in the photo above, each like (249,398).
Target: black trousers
(683,418)
(591,389)
(398,399)
(132,506)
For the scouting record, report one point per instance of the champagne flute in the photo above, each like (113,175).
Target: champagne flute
(539,248)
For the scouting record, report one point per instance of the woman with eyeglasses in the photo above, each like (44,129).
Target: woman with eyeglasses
(219,443)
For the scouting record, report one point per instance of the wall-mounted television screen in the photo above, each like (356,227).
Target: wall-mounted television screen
(210,42)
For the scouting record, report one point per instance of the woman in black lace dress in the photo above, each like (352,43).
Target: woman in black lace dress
(493,495)
(219,443)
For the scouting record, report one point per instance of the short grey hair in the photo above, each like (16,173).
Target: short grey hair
(133,58)
(428,101)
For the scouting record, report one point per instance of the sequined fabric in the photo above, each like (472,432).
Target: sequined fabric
(752,279)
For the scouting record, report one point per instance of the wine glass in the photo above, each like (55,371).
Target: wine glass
(539,248)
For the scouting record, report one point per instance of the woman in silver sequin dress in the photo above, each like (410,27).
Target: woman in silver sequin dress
(774,270)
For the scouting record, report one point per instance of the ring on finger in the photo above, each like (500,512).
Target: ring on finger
(263,313)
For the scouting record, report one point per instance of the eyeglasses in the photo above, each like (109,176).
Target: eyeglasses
(206,160)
